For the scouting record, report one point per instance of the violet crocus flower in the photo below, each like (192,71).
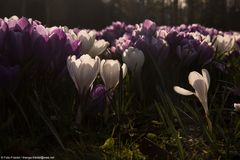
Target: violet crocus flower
(122,43)
(98,94)
(157,47)
(73,46)
(187,51)
(190,48)
(206,54)
(19,41)
(112,32)
(149,27)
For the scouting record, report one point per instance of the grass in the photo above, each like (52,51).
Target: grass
(39,120)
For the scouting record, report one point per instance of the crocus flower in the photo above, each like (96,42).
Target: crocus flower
(110,73)
(3,32)
(98,94)
(122,43)
(200,83)
(236,107)
(112,32)
(149,27)
(224,43)
(83,71)
(98,47)
(90,45)
(134,58)
(87,39)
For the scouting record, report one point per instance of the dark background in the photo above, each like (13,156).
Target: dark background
(221,14)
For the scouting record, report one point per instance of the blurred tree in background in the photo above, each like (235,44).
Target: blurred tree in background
(221,14)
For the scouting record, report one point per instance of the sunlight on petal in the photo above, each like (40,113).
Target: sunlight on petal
(182,91)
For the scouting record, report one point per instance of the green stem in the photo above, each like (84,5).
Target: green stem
(209,123)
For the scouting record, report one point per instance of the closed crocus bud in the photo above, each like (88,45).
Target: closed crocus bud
(87,39)
(110,72)
(98,47)
(83,71)
(134,58)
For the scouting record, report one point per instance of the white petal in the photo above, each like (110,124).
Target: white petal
(193,76)
(206,77)
(182,91)
(98,47)
(124,70)
(101,71)
(134,58)
(201,90)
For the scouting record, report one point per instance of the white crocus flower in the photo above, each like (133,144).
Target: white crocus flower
(134,58)
(224,43)
(200,83)
(98,47)
(83,71)
(236,107)
(110,73)
(90,45)
(87,39)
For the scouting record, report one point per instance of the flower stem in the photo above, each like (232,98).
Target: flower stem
(209,123)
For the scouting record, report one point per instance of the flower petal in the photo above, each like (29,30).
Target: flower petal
(182,91)
(193,76)
(124,70)
(206,77)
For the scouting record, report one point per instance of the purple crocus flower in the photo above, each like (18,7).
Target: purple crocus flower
(112,32)
(22,25)
(205,54)
(19,41)
(122,43)
(98,95)
(187,51)
(149,27)
(193,52)
(73,46)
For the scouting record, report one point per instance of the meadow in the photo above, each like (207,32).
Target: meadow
(129,91)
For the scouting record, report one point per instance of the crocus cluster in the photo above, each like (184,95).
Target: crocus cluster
(191,45)
(30,50)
